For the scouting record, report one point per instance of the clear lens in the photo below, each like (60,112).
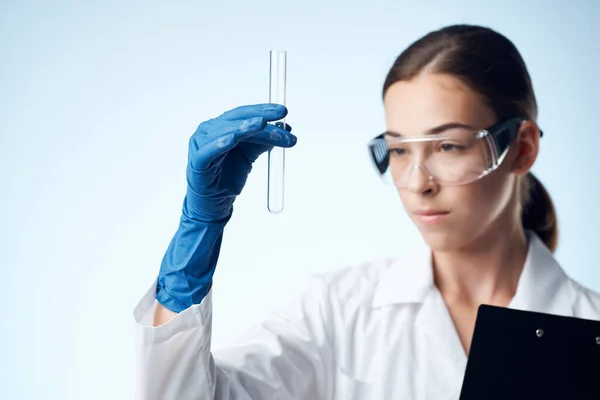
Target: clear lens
(459,157)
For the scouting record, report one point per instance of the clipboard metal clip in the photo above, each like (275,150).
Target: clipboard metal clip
(539,332)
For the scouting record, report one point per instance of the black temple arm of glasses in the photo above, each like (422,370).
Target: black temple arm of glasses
(505,132)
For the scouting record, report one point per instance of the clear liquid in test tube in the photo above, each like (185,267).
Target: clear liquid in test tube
(277,81)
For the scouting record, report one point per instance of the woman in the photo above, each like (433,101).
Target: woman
(461,140)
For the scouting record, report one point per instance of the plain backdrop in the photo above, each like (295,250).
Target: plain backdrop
(99,98)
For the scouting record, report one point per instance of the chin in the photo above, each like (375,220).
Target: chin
(442,240)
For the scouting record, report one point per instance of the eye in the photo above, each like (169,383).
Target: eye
(398,151)
(447,147)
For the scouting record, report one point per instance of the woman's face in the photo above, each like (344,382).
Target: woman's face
(450,217)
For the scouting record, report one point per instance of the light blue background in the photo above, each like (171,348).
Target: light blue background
(97,103)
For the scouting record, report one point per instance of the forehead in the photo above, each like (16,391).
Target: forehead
(430,100)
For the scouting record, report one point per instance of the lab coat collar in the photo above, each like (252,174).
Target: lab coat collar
(543,285)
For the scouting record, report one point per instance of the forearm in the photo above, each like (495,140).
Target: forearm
(162,315)
(174,360)
(188,265)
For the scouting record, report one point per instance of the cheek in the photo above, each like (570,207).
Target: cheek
(405,197)
(489,197)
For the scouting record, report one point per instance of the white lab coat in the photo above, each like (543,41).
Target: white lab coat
(374,331)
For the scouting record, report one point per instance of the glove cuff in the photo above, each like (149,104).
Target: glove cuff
(189,264)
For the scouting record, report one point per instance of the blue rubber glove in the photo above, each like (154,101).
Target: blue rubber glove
(220,157)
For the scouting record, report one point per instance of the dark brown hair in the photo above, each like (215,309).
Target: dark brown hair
(491,65)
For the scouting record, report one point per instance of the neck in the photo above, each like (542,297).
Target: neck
(486,272)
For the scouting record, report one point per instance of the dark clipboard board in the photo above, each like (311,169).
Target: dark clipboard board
(518,354)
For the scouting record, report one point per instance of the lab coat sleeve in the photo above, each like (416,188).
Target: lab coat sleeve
(288,356)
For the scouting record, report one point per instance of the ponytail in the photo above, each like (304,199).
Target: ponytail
(538,212)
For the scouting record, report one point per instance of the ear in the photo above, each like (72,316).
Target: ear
(527,147)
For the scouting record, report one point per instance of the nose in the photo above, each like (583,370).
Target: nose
(418,179)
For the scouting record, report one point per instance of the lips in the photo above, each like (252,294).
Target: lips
(431,217)
(431,212)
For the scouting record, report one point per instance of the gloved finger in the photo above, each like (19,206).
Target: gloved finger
(238,128)
(272,135)
(214,138)
(247,129)
(255,145)
(268,111)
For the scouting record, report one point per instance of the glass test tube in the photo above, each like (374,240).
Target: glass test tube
(275,189)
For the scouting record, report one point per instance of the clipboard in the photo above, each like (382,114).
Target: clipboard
(528,355)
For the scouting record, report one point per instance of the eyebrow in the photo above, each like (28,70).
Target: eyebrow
(437,130)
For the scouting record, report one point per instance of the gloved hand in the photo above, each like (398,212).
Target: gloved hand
(220,157)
